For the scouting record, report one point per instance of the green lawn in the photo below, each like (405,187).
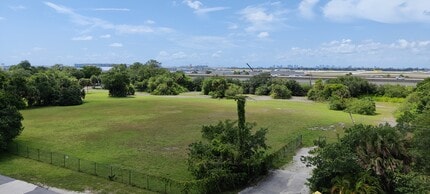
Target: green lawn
(151,133)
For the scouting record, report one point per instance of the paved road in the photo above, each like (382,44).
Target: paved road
(11,186)
(291,179)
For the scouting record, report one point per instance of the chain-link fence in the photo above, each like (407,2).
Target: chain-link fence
(132,177)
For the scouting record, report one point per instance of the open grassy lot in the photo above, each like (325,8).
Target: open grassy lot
(151,133)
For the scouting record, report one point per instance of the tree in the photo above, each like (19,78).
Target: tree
(95,81)
(215,87)
(233,90)
(117,81)
(375,153)
(421,142)
(85,82)
(255,81)
(46,91)
(280,92)
(229,148)
(10,121)
(70,92)
(90,70)
(357,86)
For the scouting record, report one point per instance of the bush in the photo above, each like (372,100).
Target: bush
(357,86)
(233,90)
(365,106)
(337,103)
(215,87)
(280,92)
(393,91)
(131,90)
(262,90)
(10,121)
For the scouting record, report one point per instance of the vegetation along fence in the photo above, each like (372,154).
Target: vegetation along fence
(135,178)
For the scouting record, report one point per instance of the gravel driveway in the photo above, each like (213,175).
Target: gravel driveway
(288,180)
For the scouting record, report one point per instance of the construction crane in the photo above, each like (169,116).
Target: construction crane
(250,67)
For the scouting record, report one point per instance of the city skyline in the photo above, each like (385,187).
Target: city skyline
(359,33)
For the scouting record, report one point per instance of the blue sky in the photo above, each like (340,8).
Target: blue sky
(359,33)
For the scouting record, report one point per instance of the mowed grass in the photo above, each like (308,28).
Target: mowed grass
(151,134)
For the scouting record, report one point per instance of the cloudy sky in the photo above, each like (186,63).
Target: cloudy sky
(359,33)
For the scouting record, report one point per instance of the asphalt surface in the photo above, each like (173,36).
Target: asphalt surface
(11,186)
(289,180)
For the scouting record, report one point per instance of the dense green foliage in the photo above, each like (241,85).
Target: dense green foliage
(357,86)
(369,159)
(280,92)
(229,149)
(380,159)
(215,87)
(10,120)
(233,90)
(339,95)
(117,81)
(364,106)
(29,86)
(393,91)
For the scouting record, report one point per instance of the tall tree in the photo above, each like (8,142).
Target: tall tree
(10,120)
(117,81)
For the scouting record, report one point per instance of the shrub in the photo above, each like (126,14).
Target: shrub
(215,87)
(131,90)
(365,106)
(337,103)
(280,92)
(233,90)
(262,90)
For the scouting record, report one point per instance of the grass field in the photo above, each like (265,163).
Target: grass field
(151,133)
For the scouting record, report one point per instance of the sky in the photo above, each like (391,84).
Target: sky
(217,33)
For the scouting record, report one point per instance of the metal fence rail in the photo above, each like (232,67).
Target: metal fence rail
(133,177)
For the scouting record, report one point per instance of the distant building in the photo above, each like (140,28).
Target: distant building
(103,66)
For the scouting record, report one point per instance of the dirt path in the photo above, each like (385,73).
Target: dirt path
(290,179)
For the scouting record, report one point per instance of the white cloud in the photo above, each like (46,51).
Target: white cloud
(149,22)
(92,22)
(209,9)
(217,54)
(105,36)
(18,8)
(265,17)
(111,9)
(367,52)
(193,4)
(199,9)
(384,11)
(116,44)
(306,8)
(82,38)
(263,35)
